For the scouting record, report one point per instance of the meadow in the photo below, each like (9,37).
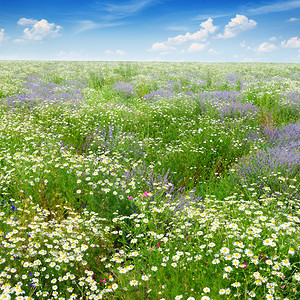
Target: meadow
(125,180)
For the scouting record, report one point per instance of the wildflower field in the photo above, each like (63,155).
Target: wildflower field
(149,180)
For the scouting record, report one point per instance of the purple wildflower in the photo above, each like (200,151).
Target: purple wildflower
(124,89)
(156,95)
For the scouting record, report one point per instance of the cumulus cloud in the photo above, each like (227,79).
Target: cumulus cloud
(200,35)
(207,28)
(293,42)
(196,47)
(2,35)
(38,30)
(266,47)
(237,25)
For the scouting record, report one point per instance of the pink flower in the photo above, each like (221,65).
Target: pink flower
(158,244)
(146,194)
(244,265)
(129,197)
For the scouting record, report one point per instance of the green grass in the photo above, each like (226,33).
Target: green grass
(116,197)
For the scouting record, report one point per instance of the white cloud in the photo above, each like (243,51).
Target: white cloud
(162,47)
(266,47)
(118,52)
(19,41)
(237,25)
(273,39)
(198,36)
(196,47)
(38,30)
(293,19)
(293,42)
(2,35)
(164,53)
(85,25)
(25,22)
(277,7)
(212,51)
(128,9)
(243,44)
(203,17)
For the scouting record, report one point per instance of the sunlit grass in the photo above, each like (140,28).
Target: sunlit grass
(149,181)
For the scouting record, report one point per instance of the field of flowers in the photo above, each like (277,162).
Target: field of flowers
(149,181)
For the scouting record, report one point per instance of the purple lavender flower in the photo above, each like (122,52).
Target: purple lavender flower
(38,92)
(111,139)
(281,153)
(238,109)
(291,98)
(217,97)
(272,160)
(156,95)
(124,89)
(173,86)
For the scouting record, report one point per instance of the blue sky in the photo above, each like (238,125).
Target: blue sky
(151,30)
